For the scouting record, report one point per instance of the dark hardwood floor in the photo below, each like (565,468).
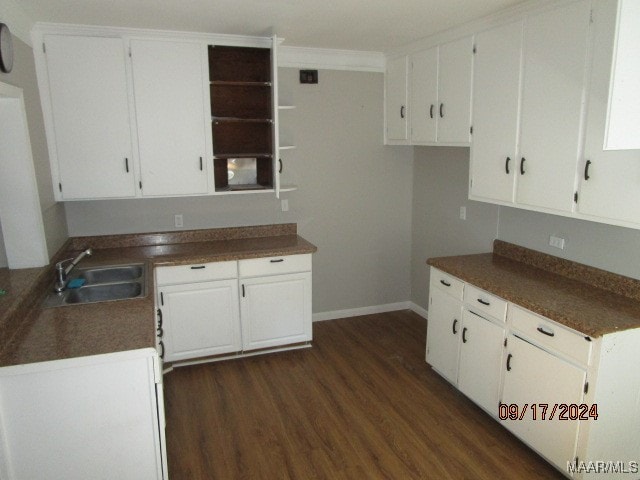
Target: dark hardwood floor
(361,403)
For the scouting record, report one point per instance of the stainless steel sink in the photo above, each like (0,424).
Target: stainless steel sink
(124,273)
(102,284)
(103,293)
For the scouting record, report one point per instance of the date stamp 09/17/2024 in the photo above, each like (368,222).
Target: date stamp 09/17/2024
(546,411)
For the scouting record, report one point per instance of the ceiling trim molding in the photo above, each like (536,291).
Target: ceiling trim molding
(472,27)
(42,28)
(330,59)
(17,19)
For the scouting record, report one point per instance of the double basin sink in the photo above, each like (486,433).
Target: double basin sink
(102,284)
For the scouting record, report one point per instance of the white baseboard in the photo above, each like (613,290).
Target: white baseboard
(354,312)
(418,309)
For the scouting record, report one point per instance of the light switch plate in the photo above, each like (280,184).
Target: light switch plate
(178,220)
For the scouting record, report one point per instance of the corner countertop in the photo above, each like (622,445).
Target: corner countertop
(589,300)
(30,333)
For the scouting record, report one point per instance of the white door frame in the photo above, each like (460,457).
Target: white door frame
(20,210)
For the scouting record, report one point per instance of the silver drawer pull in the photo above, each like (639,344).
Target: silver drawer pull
(544,332)
(277,261)
(199,267)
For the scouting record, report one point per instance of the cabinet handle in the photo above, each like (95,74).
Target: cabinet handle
(199,267)
(161,299)
(243,290)
(402,111)
(431,110)
(586,170)
(280,162)
(464,335)
(159,313)
(126,164)
(277,261)
(506,165)
(441,110)
(544,332)
(446,284)
(484,302)
(522,160)
(161,344)
(509,357)
(453,327)
(200,163)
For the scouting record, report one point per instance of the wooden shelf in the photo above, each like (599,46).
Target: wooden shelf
(241,155)
(238,119)
(232,83)
(286,107)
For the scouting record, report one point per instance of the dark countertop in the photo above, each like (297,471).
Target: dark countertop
(31,333)
(586,299)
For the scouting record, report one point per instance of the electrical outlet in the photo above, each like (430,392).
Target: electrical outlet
(284,204)
(463,213)
(178,220)
(556,242)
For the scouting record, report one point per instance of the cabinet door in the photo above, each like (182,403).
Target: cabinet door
(454,91)
(89,101)
(624,99)
(496,101)
(276,310)
(534,376)
(170,104)
(200,319)
(443,334)
(424,96)
(610,181)
(555,53)
(396,113)
(481,361)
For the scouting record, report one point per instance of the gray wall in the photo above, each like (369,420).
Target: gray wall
(616,249)
(353,202)
(23,75)
(440,178)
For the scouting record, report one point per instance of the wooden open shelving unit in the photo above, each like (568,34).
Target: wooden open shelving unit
(242,113)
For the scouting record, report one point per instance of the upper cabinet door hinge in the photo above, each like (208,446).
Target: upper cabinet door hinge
(44,48)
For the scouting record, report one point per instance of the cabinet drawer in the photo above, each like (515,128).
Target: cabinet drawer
(198,272)
(485,302)
(447,283)
(551,334)
(257,267)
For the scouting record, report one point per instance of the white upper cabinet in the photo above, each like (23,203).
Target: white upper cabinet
(170,90)
(496,102)
(555,59)
(624,97)
(396,110)
(454,91)
(90,149)
(441,94)
(610,179)
(424,96)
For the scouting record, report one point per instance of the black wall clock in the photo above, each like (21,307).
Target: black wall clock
(6,49)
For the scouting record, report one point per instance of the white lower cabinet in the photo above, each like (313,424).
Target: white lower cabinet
(535,378)
(200,319)
(570,397)
(223,307)
(89,417)
(465,347)
(480,360)
(275,303)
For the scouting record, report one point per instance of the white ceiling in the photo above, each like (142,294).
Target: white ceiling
(370,25)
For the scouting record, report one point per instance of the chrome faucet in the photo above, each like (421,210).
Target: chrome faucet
(62,272)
